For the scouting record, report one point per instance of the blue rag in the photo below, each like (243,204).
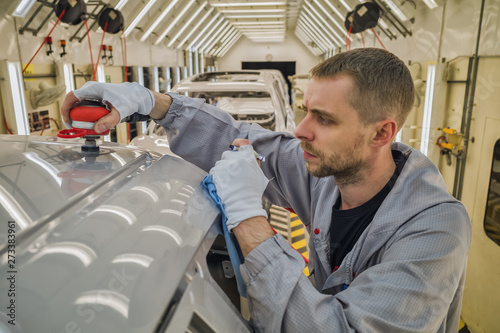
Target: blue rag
(233,248)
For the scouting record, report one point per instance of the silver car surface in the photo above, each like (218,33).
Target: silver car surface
(123,240)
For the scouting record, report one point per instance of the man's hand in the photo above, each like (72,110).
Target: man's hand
(240,184)
(124,99)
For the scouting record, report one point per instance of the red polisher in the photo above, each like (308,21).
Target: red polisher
(83,118)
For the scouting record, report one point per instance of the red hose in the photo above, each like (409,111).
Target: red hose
(58,19)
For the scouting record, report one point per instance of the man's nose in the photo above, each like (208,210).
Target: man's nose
(303,131)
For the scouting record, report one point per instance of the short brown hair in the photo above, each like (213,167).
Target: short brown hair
(383,86)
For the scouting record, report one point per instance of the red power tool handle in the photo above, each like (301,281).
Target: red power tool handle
(84,113)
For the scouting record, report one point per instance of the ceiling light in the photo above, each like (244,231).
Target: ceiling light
(226,41)
(209,33)
(315,27)
(236,4)
(339,39)
(195,28)
(332,8)
(139,17)
(184,26)
(203,31)
(431,3)
(254,16)
(121,4)
(241,11)
(257,22)
(174,22)
(231,42)
(222,29)
(341,28)
(307,30)
(158,20)
(23,8)
(395,9)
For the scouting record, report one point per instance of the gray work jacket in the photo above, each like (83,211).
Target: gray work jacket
(405,273)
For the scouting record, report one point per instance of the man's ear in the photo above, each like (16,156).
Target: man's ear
(385,132)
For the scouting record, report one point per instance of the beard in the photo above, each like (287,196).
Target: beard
(347,168)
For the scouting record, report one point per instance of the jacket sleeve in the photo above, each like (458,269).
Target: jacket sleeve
(200,133)
(418,278)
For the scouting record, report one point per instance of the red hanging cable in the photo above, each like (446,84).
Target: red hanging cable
(58,19)
(94,71)
(375,33)
(7,126)
(125,55)
(90,48)
(348,40)
(362,39)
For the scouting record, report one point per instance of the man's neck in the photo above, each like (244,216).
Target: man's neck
(373,180)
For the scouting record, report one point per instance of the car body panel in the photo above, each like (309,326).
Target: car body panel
(112,255)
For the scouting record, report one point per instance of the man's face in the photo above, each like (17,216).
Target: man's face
(334,140)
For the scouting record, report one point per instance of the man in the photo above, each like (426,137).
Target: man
(388,243)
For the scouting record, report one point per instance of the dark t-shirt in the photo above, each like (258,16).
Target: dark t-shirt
(348,225)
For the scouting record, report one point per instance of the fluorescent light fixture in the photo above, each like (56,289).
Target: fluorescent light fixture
(236,4)
(340,40)
(185,72)
(251,11)
(225,40)
(101,77)
(195,28)
(337,39)
(185,25)
(68,77)
(227,36)
(23,8)
(229,45)
(342,17)
(307,30)
(208,34)
(395,9)
(225,27)
(341,28)
(174,22)
(156,79)
(202,62)
(426,120)
(345,5)
(121,4)
(259,22)
(177,74)
(305,40)
(139,17)
(316,29)
(250,30)
(17,90)
(158,20)
(254,16)
(204,29)
(431,3)
(168,78)
(399,136)
(190,61)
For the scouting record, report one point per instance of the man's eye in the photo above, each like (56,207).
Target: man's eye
(323,120)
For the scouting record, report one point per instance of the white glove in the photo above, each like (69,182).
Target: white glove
(128,98)
(240,184)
